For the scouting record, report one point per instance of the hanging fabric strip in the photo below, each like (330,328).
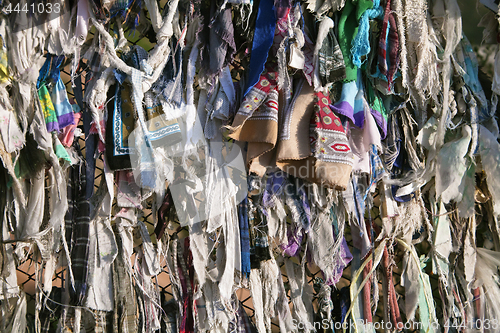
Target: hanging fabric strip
(262,41)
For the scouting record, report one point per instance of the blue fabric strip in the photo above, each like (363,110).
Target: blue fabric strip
(244,237)
(265,26)
(50,71)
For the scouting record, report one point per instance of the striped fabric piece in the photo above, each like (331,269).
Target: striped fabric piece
(51,310)
(393,50)
(77,222)
(242,323)
(377,167)
(297,202)
(97,321)
(125,318)
(257,221)
(331,60)
(382,44)
(388,42)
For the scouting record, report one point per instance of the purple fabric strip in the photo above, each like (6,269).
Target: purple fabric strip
(346,109)
(345,258)
(359,119)
(294,242)
(305,204)
(274,188)
(343,108)
(65,120)
(53,126)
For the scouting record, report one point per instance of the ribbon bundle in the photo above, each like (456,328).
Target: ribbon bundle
(249,145)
